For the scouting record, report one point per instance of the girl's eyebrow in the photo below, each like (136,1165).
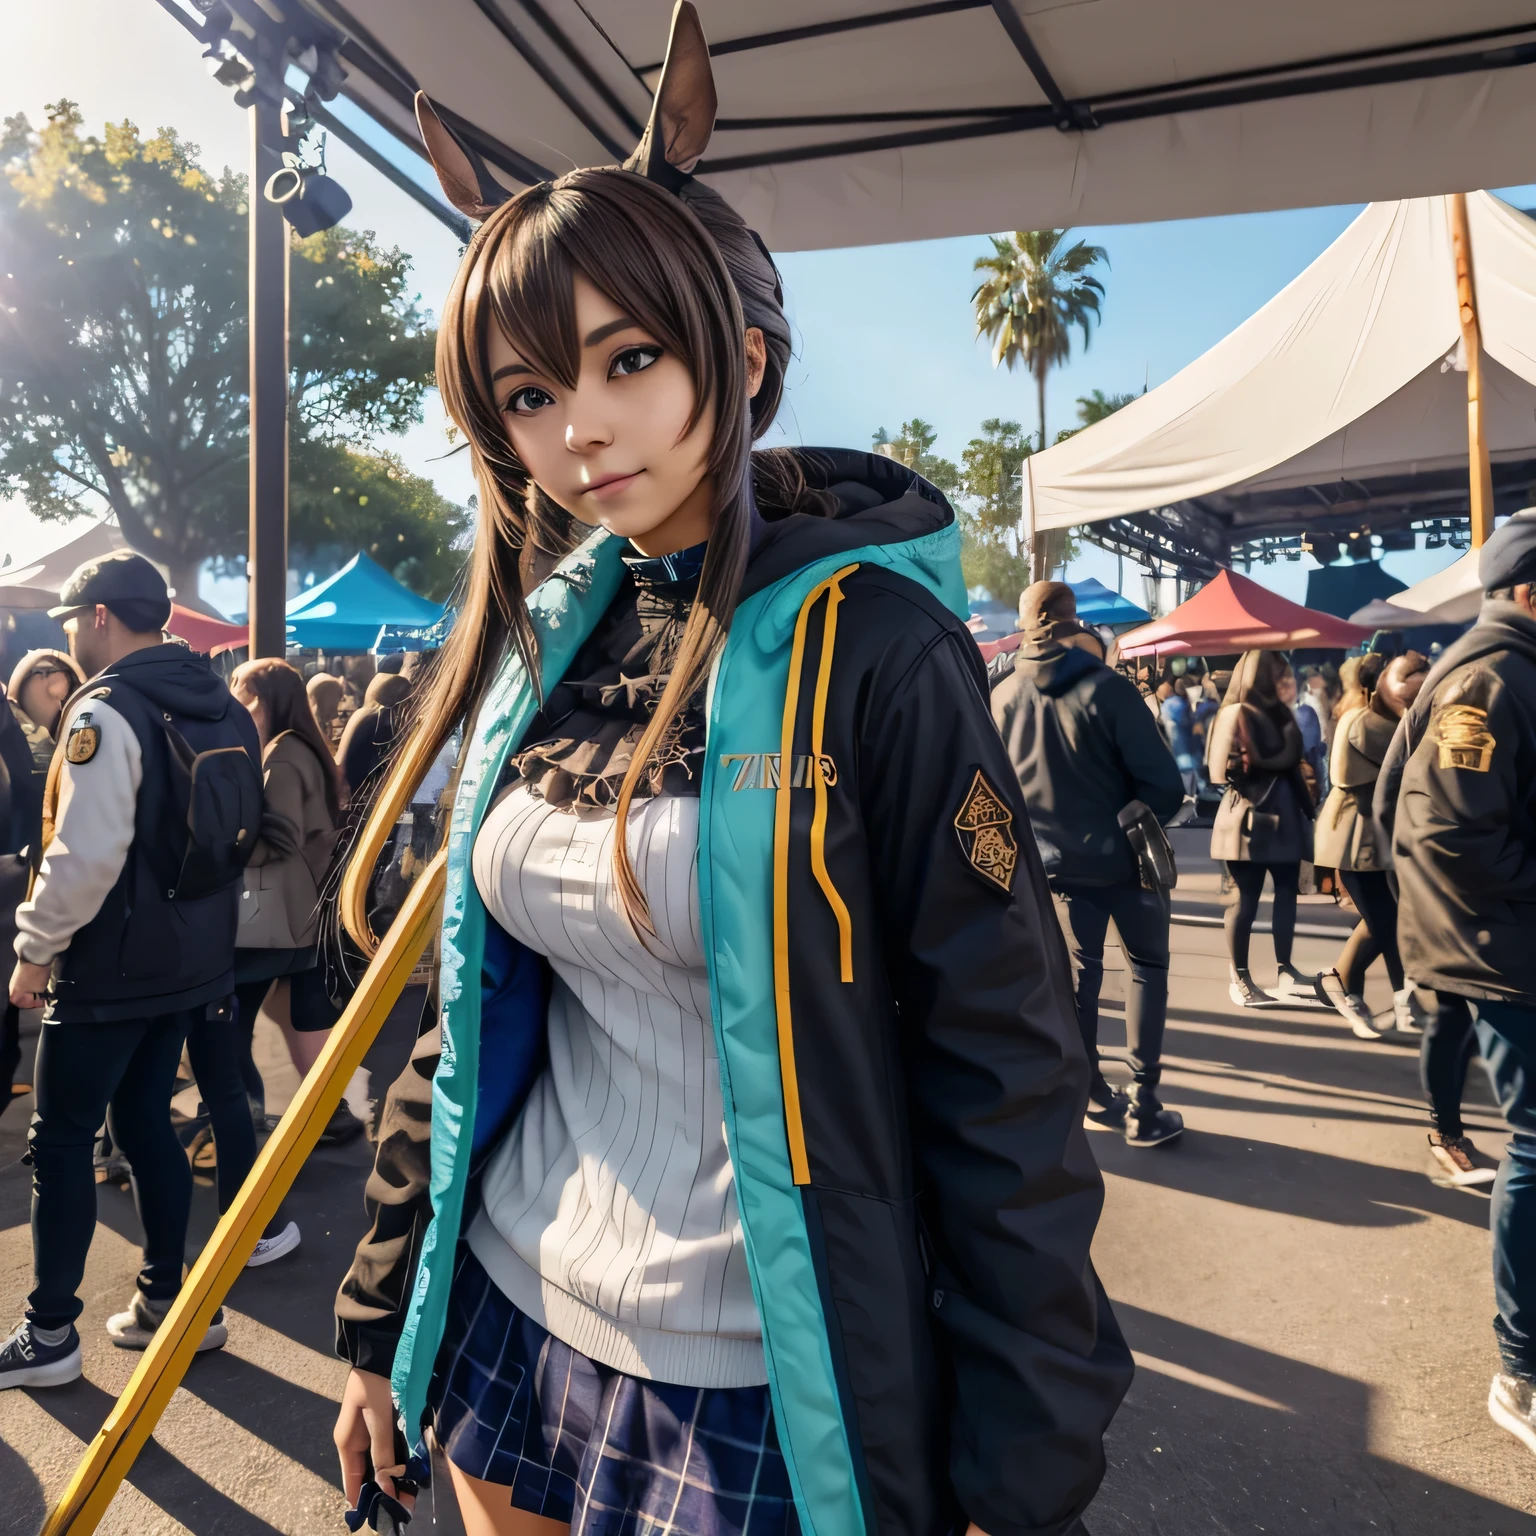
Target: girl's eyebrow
(502,373)
(603,332)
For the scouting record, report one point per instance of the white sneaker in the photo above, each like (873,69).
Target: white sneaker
(1350,1006)
(134,1328)
(269,1248)
(1509,1406)
(1246,993)
(1294,990)
(1405,1013)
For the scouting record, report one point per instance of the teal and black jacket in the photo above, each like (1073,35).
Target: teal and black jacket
(902,1075)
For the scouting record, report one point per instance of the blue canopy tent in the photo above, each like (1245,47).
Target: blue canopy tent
(1096,604)
(345,612)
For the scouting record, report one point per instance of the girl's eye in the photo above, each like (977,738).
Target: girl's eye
(527,400)
(634,360)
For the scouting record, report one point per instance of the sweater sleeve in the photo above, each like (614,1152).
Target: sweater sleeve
(92,832)
(998,1083)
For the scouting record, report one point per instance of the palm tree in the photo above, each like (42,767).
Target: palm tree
(1036,289)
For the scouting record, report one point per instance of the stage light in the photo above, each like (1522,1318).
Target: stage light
(310,200)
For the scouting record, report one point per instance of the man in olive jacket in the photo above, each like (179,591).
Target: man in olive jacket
(1083,746)
(1456,797)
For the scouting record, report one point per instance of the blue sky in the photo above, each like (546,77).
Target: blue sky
(882,333)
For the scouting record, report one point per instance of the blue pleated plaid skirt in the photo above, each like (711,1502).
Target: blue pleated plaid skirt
(575,1440)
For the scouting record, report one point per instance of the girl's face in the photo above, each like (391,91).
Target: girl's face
(615,450)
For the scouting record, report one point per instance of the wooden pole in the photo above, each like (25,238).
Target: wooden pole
(1480,473)
(171,1351)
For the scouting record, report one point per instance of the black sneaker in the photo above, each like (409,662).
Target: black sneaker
(1153,1126)
(1108,1108)
(343,1127)
(25,1361)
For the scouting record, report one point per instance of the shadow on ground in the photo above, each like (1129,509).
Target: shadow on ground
(1218,1437)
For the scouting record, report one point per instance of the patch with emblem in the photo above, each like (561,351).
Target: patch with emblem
(1461,733)
(985,827)
(83,739)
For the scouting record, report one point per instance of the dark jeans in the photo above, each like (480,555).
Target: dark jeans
(1373,898)
(1507,1034)
(127,1073)
(10,1050)
(249,996)
(1141,924)
(213,1048)
(1445,1053)
(1248,877)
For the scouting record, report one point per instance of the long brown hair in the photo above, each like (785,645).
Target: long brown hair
(286,704)
(696,289)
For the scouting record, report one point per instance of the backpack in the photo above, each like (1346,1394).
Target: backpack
(221,792)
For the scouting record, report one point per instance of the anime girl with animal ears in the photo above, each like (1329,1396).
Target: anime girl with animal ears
(756,1196)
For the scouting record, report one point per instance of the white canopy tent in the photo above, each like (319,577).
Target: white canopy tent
(1348,375)
(852,122)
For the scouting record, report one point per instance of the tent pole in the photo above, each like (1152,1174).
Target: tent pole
(1481,474)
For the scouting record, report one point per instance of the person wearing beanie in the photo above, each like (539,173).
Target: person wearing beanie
(1457,799)
(127,942)
(1084,748)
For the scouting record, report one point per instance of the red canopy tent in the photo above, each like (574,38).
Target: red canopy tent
(1233,613)
(203,633)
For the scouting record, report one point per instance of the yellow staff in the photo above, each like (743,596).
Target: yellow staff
(133,1419)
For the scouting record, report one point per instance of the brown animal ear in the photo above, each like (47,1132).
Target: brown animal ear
(683,113)
(465,178)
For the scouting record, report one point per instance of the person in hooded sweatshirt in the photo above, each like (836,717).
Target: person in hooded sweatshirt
(1083,746)
(758,1184)
(122,967)
(373,731)
(1457,798)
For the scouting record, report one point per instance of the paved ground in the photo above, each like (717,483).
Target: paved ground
(1309,1313)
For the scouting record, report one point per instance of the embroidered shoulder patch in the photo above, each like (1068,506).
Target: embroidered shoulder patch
(83,739)
(1461,733)
(985,827)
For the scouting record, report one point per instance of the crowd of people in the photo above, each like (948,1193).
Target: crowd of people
(116,781)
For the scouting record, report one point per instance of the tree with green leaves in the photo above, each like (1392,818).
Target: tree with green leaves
(1036,289)
(992,552)
(913,446)
(124,360)
(1098,405)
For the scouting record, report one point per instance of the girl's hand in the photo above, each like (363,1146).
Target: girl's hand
(366,1427)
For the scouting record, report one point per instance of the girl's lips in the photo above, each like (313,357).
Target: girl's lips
(611,485)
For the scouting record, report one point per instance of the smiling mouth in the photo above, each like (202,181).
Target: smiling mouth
(612,484)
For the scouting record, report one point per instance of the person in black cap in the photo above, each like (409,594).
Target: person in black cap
(127,940)
(1085,747)
(1457,796)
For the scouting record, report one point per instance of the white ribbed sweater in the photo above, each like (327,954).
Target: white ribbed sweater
(609,1211)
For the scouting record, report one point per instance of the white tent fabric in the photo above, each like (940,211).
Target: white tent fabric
(852,122)
(1456,592)
(1342,375)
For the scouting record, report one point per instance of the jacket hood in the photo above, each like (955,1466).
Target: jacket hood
(1056,669)
(176,679)
(879,501)
(386,689)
